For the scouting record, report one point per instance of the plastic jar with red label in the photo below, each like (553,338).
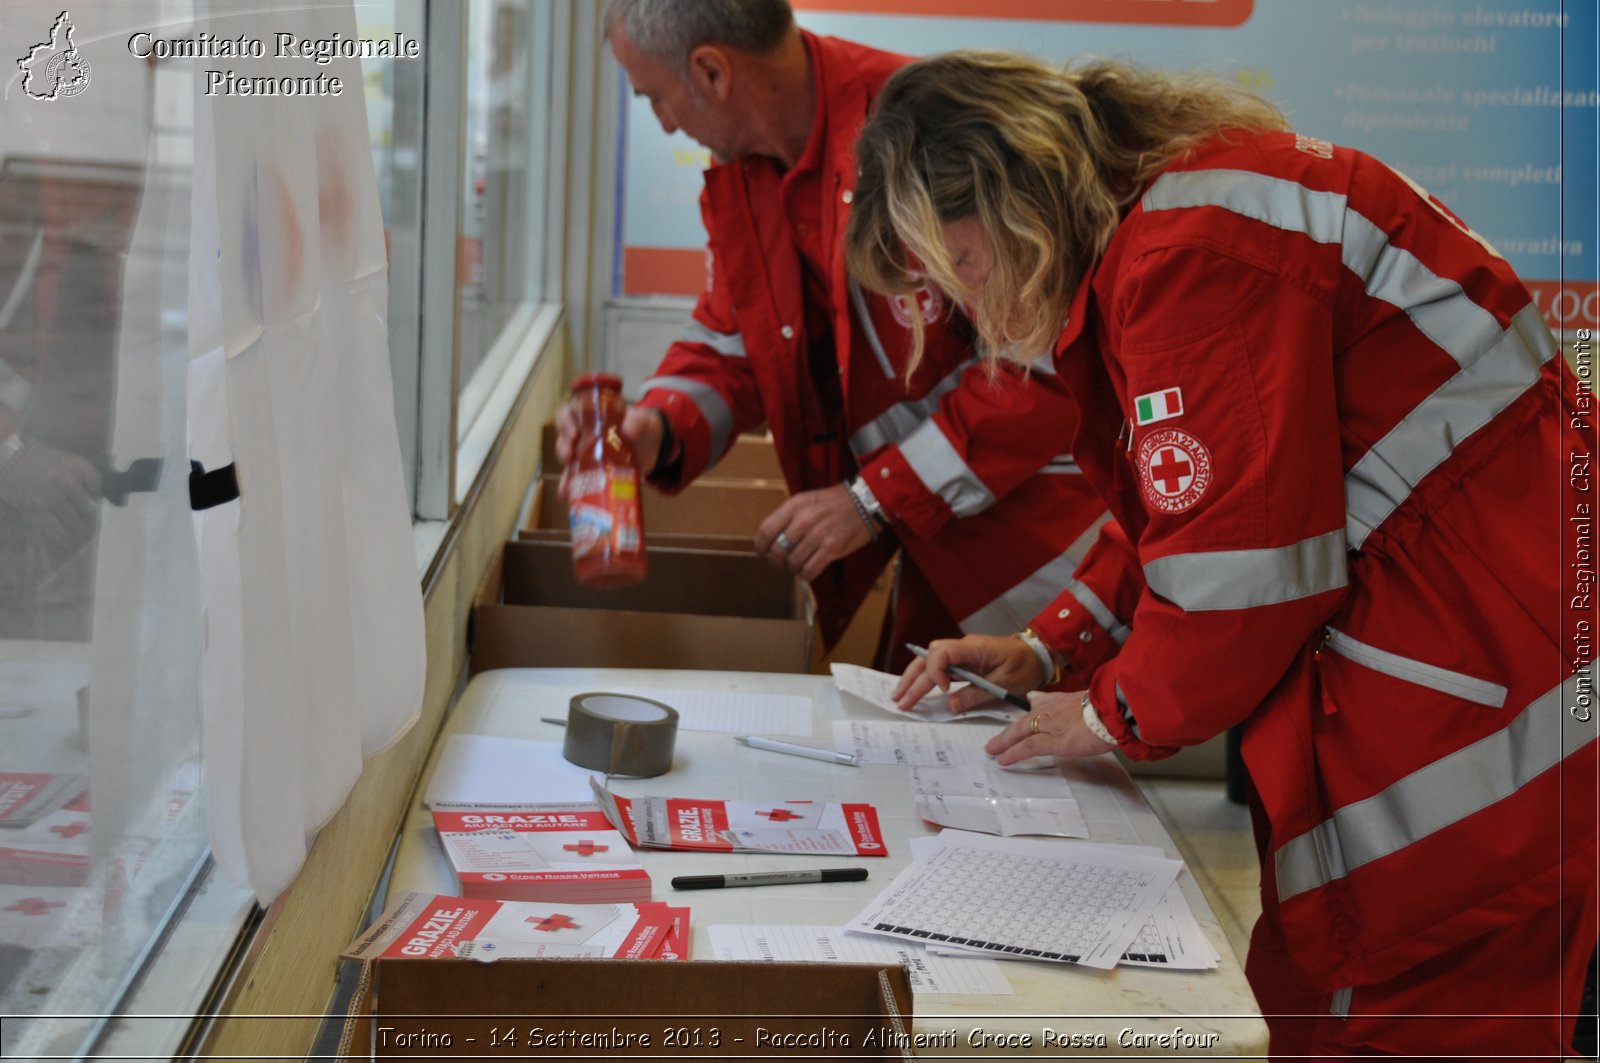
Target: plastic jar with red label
(603,489)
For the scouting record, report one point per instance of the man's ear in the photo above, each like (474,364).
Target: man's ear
(711,71)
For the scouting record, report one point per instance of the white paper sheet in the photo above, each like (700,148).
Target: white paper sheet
(989,799)
(732,712)
(874,687)
(929,974)
(1062,901)
(485,770)
(1170,938)
(909,744)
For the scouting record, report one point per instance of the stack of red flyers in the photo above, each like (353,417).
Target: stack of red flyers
(425,926)
(44,829)
(720,826)
(552,852)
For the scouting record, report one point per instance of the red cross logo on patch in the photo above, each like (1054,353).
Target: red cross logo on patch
(929,302)
(71,830)
(586,848)
(553,922)
(1174,470)
(779,815)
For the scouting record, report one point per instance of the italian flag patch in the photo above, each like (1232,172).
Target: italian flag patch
(1158,406)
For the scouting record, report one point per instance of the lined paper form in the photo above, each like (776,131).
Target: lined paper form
(992,800)
(1170,938)
(929,973)
(1066,902)
(874,688)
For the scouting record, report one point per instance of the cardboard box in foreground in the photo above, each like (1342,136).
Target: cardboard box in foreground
(722,610)
(533,1008)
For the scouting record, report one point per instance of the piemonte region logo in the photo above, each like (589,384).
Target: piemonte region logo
(55,69)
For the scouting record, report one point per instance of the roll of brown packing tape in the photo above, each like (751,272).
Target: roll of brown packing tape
(620,734)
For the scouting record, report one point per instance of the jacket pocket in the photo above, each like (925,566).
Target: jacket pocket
(1456,684)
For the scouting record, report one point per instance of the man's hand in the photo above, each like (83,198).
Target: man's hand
(812,530)
(1054,728)
(1004,660)
(642,430)
(55,491)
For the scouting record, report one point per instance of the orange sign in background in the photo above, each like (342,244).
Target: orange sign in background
(1130,12)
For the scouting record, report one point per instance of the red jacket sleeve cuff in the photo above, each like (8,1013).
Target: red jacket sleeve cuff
(905,501)
(1078,641)
(691,432)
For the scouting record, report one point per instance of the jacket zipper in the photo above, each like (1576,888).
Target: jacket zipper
(1457,684)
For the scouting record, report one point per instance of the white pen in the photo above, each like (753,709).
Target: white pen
(795,749)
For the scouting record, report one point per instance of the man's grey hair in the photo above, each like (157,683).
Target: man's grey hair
(670,29)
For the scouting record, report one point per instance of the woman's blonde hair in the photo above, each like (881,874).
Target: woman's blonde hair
(1045,159)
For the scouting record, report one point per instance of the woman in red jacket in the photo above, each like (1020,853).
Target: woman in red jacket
(1334,432)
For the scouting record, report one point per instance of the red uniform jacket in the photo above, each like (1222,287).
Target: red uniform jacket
(969,469)
(1337,431)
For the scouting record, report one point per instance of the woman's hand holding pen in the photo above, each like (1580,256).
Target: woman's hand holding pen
(1002,659)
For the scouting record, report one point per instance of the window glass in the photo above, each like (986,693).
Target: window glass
(393,92)
(501,233)
(100,820)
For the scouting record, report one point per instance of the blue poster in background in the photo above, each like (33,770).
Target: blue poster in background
(1491,105)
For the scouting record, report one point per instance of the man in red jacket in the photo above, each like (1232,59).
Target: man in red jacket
(963,469)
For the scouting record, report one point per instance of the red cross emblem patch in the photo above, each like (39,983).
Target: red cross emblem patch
(1174,470)
(929,303)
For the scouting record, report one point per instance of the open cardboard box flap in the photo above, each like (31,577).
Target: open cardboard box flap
(530,1008)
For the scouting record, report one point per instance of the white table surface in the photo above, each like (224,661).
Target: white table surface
(1215,1010)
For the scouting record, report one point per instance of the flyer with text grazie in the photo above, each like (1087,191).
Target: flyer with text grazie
(719,826)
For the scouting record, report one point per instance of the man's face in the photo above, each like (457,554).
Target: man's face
(678,104)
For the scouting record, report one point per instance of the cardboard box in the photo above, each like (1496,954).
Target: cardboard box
(711,609)
(523,1009)
(705,507)
(750,457)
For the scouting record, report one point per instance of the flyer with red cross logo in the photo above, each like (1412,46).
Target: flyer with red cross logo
(720,826)
(542,852)
(433,926)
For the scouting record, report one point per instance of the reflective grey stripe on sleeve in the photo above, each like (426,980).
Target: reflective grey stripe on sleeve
(728,343)
(944,471)
(1497,365)
(15,391)
(1458,684)
(1384,477)
(903,418)
(859,302)
(1339,1002)
(1440,795)
(1126,711)
(1097,609)
(1062,465)
(1274,201)
(707,400)
(1243,579)
(1012,611)
(23,285)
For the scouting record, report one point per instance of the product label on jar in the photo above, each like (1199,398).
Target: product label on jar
(604,512)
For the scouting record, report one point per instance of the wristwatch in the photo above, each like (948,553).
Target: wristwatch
(1096,726)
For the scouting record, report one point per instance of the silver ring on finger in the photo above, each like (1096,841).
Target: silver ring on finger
(783,543)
